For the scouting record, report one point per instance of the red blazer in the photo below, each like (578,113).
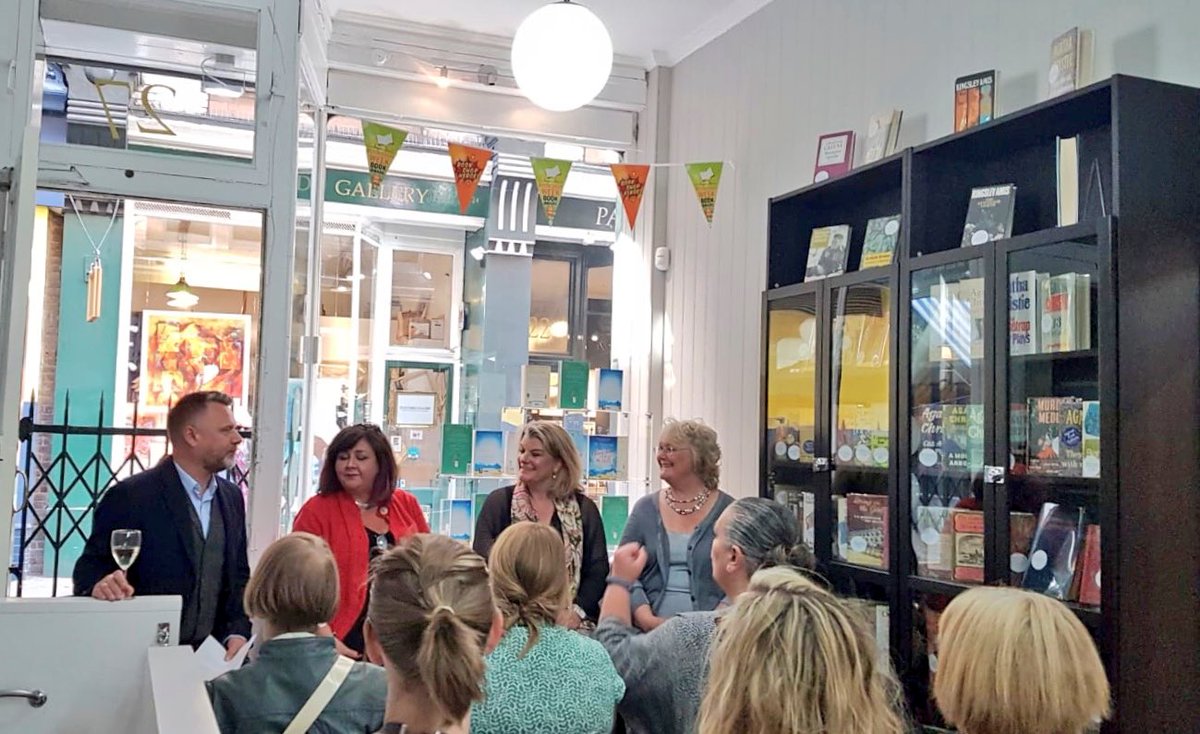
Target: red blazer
(338,520)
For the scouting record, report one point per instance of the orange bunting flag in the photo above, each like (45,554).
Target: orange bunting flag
(469,164)
(631,183)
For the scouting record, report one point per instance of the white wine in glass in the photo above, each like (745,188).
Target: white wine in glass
(125,545)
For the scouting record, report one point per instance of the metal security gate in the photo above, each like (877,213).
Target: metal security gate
(63,472)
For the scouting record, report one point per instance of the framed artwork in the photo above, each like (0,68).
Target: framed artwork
(183,352)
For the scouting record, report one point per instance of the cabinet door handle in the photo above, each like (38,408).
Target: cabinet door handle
(37,699)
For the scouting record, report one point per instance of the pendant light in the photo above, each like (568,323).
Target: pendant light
(562,56)
(181,295)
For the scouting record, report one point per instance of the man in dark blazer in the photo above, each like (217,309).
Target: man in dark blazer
(193,527)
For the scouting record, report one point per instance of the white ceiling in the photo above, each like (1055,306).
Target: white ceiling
(658,32)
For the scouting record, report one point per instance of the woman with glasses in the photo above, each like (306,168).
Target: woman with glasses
(360,514)
(675,526)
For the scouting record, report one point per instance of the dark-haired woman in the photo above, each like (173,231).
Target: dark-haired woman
(360,514)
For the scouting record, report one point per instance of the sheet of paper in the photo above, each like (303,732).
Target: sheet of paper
(210,657)
(181,705)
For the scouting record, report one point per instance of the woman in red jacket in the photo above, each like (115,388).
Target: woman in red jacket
(360,515)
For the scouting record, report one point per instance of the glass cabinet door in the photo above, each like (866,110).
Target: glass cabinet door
(791,404)
(947,423)
(1053,413)
(859,440)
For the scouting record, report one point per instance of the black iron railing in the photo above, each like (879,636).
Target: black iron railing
(64,478)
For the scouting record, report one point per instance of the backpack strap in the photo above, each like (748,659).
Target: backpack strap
(321,696)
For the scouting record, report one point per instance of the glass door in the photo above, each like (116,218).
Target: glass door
(791,405)
(1051,381)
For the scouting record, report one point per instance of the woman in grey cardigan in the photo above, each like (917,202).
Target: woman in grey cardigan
(665,670)
(675,526)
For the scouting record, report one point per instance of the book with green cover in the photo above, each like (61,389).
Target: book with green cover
(573,385)
(879,242)
(456,448)
(614,511)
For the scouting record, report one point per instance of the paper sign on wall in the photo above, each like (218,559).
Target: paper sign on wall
(382,143)
(415,409)
(550,174)
(631,183)
(469,164)
(706,177)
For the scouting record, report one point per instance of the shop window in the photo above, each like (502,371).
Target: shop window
(422,295)
(550,306)
(571,305)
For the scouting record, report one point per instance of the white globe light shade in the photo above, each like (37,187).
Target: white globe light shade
(562,56)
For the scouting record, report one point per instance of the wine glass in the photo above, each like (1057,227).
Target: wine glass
(125,545)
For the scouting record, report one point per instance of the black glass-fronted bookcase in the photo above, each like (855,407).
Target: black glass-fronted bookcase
(990,414)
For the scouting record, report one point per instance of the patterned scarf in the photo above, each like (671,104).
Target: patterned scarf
(571,519)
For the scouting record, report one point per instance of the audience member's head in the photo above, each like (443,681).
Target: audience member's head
(755,533)
(1042,673)
(792,657)
(203,431)
(689,450)
(431,620)
(359,460)
(529,579)
(294,588)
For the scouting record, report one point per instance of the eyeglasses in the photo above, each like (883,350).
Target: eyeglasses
(669,450)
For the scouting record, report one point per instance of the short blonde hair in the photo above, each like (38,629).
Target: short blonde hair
(1042,673)
(295,585)
(792,657)
(529,578)
(557,442)
(706,451)
(431,610)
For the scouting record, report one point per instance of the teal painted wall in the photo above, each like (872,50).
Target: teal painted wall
(86,368)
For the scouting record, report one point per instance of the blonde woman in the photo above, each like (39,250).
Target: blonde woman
(792,658)
(1043,675)
(293,590)
(430,622)
(675,526)
(541,677)
(548,492)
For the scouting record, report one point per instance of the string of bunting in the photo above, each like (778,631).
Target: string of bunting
(383,142)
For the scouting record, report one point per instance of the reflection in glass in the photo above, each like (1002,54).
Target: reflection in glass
(860,423)
(421,295)
(947,422)
(550,307)
(1054,422)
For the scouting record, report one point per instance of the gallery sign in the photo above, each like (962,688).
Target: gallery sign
(396,192)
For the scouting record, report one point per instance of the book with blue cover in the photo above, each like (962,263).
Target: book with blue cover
(489,453)
(610,389)
(604,458)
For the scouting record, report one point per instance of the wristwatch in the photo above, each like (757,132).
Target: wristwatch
(618,581)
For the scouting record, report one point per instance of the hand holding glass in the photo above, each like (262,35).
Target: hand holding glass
(125,545)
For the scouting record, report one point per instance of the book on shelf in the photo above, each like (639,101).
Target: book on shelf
(879,242)
(1023,311)
(1063,76)
(974,99)
(1054,550)
(933,541)
(930,435)
(1065,303)
(1055,443)
(808,519)
(477,502)
(860,439)
(841,536)
(1021,527)
(1018,438)
(535,385)
(835,155)
(867,530)
(512,452)
(1068,180)
(989,214)
(606,458)
(457,516)
(879,619)
(1089,567)
(971,307)
(614,511)
(1090,465)
(962,437)
(968,545)
(456,448)
(883,131)
(575,426)
(828,248)
(610,389)
(792,444)
(489,457)
(573,380)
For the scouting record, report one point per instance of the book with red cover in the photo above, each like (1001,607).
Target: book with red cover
(1089,570)
(867,530)
(968,545)
(835,155)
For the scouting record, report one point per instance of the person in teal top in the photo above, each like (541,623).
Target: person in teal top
(541,677)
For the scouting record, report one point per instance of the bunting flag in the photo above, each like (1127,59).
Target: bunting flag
(631,183)
(382,143)
(550,175)
(706,177)
(469,164)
